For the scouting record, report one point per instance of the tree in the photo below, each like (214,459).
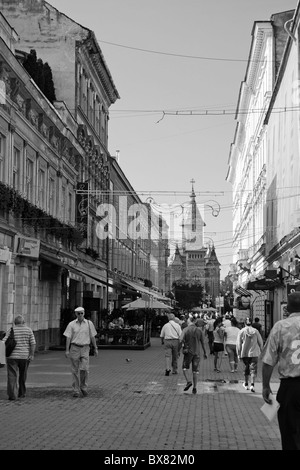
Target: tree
(188,294)
(41,73)
(49,89)
(30,64)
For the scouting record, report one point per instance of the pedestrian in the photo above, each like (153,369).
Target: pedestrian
(218,344)
(170,334)
(282,347)
(256,324)
(231,333)
(226,321)
(191,339)
(249,344)
(185,321)
(18,361)
(210,333)
(2,349)
(79,334)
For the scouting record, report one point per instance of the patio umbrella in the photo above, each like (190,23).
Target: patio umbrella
(140,303)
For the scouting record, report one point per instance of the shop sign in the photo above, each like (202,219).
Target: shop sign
(29,247)
(5,255)
(82,208)
(75,277)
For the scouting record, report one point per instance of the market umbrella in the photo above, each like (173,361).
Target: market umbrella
(140,303)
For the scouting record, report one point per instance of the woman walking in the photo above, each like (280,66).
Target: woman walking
(218,341)
(231,334)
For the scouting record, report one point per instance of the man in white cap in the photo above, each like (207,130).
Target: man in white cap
(79,334)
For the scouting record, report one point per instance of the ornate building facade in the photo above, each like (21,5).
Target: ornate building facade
(192,261)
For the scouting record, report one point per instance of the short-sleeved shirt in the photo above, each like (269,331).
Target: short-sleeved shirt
(283,347)
(171,330)
(80,333)
(231,334)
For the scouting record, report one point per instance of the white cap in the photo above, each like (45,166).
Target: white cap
(79,309)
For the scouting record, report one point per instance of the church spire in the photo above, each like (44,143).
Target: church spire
(193,224)
(194,206)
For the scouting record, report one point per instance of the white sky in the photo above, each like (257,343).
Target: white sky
(160,158)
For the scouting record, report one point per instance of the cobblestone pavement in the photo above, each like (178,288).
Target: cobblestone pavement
(132,405)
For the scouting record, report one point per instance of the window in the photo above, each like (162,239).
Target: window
(70,207)
(63,202)
(2,156)
(29,179)
(16,169)
(51,196)
(42,188)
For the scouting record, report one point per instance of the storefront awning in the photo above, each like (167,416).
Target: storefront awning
(58,262)
(83,273)
(144,290)
(241,291)
(262,284)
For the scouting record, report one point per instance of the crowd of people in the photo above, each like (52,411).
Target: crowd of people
(225,337)
(186,334)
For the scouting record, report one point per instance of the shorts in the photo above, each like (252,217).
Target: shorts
(218,347)
(191,359)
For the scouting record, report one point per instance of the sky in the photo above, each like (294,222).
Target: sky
(178,66)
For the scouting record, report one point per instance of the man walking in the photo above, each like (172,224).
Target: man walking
(191,339)
(79,334)
(170,334)
(283,347)
(249,344)
(19,359)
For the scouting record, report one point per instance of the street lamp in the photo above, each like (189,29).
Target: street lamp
(279,268)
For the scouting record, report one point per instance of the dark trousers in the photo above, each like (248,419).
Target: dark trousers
(210,336)
(288,396)
(15,366)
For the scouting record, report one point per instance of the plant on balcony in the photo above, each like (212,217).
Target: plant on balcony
(33,216)
(41,73)
(92,253)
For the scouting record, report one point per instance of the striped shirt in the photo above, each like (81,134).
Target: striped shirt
(25,342)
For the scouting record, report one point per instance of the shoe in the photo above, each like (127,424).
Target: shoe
(12,398)
(245,386)
(167,372)
(194,391)
(84,393)
(188,385)
(217,370)
(252,388)
(21,396)
(232,371)
(76,395)
(174,372)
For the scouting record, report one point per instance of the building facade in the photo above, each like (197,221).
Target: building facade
(40,159)
(57,171)
(263,171)
(192,261)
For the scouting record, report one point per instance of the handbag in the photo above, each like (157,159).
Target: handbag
(10,343)
(92,348)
